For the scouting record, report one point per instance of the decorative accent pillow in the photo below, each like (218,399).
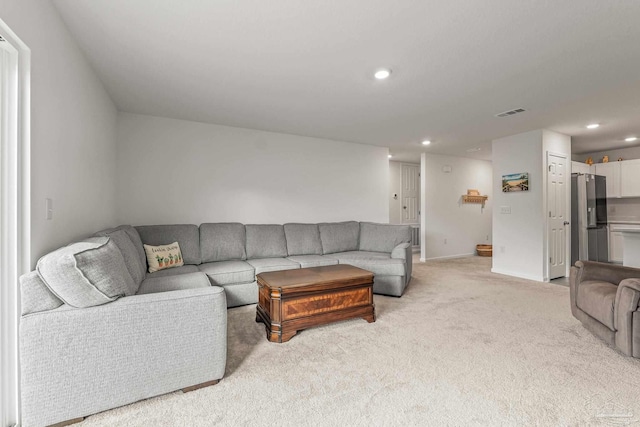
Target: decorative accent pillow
(165,256)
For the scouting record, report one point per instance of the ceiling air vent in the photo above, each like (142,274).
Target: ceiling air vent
(511,112)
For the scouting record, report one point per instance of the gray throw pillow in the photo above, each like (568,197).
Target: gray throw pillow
(87,273)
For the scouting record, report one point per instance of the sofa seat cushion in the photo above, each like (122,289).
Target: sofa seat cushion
(222,241)
(263,265)
(303,239)
(307,261)
(176,271)
(87,273)
(180,282)
(379,264)
(597,299)
(228,272)
(339,236)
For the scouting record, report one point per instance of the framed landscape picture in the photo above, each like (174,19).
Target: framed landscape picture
(515,182)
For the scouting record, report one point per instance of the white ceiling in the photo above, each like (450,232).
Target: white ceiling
(305,67)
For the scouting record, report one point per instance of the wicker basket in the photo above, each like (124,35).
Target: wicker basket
(484,250)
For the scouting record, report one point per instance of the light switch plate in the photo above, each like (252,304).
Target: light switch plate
(505,210)
(48,205)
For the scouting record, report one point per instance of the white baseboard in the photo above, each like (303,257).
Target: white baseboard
(447,257)
(519,275)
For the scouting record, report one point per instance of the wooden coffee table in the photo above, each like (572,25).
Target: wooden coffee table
(292,300)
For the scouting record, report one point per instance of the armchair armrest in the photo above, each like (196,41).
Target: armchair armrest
(626,303)
(77,362)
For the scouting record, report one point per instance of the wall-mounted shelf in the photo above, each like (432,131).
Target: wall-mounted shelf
(473,196)
(474,199)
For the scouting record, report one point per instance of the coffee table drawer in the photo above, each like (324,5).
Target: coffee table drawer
(323,303)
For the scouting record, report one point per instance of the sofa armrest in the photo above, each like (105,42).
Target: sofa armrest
(77,362)
(627,300)
(404,251)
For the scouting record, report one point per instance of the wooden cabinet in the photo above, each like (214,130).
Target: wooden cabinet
(612,171)
(629,178)
(578,167)
(616,245)
(616,241)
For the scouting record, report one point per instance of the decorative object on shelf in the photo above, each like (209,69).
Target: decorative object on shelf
(473,196)
(619,159)
(589,161)
(515,182)
(605,159)
(484,250)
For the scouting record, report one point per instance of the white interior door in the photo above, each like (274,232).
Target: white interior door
(558,220)
(410,194)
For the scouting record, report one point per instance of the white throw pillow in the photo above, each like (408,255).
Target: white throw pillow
(165,256)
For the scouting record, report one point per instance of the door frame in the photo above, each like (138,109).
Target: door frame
(547,266)
(15,213)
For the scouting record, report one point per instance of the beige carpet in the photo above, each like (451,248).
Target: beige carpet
(463,346)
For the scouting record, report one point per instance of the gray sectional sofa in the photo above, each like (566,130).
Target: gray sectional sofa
(232,254)
(98,331)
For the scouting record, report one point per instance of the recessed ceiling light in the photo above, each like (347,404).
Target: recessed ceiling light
(426,142)
(382,73)
(593,126)
(631,139)
(390,155)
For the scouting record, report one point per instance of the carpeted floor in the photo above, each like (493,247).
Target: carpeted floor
(463,346)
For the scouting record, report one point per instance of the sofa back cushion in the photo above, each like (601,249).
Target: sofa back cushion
(122,239)
(87,273)
(222,242)
(382,237)
(265,241)
(35,296)
(303,239)
(187,236)
(339,236)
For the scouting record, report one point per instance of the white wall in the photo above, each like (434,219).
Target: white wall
(462,225)
(520,238)
(176,171)
(73,123)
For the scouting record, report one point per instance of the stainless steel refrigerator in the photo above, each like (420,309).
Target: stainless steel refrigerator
(589,233)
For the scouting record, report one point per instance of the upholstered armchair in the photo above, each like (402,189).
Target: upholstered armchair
(605,297)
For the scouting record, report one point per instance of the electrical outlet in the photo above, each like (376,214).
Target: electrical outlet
(505,210)
(502,250)
(487,239)
(445,241)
